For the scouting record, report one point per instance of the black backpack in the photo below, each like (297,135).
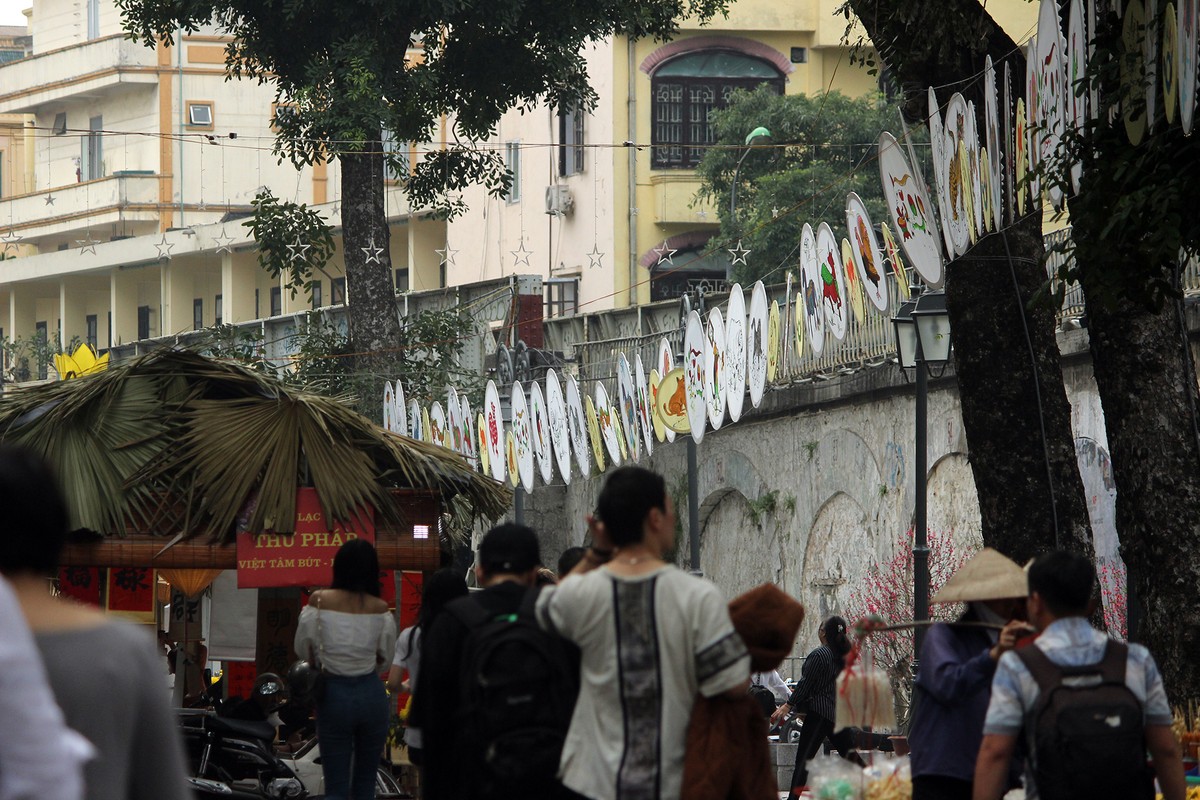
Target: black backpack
(1087,729)
(517,693)
(764,697)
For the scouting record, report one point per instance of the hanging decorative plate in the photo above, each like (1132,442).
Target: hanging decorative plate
(494,430)
(773,341)
(426,427)
(467,420)
(1076,65)
(956,196)
(714,368)
(399,410)
(578,427)
(1021,157)
(1188,10)
(854,290)
(1032,124)
(1011,190)
(510,452)
(1150,56)
(811,289)
(985,190)
(1051,75)
(735,353)
(389,401)
(937,143)
(1133,74)
(1170,61)
(756,341)
(868,260)
(991,113)
(833,281)
(660,429)
(911,214)
(964,167)
(974,197)
(627,400)
(437,424)
(485,453)
(615,415)
(522,434)
(454,432)
(671,401)
(898,268)
(539,422)
(560,438)
(414,421)
(666,363)
(694,344)
(645,408)
(593,427)
(798,325)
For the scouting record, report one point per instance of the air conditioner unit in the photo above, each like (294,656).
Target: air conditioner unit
(559,201)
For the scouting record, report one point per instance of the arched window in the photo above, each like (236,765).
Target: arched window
(686,90)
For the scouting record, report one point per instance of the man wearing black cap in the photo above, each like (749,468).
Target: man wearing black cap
(506,568)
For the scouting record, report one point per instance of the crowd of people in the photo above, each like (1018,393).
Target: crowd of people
(587,683)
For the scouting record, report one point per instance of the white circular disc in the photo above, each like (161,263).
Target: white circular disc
(694,343)
(735,353)
(868,258)
(560,437)
(714,368)
(833,281)
(539,421)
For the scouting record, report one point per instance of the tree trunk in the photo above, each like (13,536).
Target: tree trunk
(1016,418)
(373,316)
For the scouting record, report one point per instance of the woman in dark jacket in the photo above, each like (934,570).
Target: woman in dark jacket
(813,698)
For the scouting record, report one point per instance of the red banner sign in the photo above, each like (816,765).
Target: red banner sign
(303,558)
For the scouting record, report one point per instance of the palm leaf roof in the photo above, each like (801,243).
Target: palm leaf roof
(174,442)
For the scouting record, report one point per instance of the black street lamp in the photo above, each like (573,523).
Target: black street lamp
(922,340)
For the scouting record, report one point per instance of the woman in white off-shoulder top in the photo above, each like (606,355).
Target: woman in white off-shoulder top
(350,632)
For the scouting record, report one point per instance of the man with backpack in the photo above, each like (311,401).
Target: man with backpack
(497,691)
(1090,707)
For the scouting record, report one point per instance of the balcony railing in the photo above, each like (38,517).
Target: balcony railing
(91,68)
(77,206)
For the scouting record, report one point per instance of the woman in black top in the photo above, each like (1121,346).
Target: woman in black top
(814,698)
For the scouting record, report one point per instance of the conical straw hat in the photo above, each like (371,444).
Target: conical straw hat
(988,575)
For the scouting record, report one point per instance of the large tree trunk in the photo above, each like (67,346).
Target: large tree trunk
(374,321)
(1015,412)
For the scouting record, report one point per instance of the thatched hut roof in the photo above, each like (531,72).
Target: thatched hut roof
(174,442)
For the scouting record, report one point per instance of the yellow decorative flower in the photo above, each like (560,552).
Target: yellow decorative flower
(82,362)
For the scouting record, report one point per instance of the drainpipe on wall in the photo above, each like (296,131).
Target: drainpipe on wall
(182,119)
(632,158)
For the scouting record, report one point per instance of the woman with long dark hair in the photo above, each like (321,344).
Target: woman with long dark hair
(442,587)
(349,631)
(814,698)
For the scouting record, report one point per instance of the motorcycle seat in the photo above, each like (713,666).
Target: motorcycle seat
(241,727)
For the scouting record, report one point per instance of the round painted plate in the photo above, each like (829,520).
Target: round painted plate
(660,430)
(389,402)
(937,143)
(510,451)
(671,401)
(578,427)
(1010,151)
(522,434)
(399,412)
(735,353)
(593,426)
(454,432)
(1021,156)
(868,260)
(469,440)
(1051,74)
(811,290)
(426,427)
(854,289)
(773,341)
(485,453)
(911,214)
(560,438)
(539,421)
(798,325)
(1186,20)
(1032,123)
(437,425)
(969,182)
(615,416)
(1076,65)
(644,407)
(714,368)
(956,190)
(991,113)
(606,416)
(494,431)
(898,268)
(627,400)
(666,363)
(756,343)
(694,344)
(414,421)
(833,281)
(975,197)
(1133,73)
(1169,62)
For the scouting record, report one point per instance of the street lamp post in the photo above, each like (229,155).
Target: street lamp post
(758,133)
(922,340)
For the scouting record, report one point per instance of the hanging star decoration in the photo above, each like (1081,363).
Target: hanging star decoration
(372,252)
(11,239)
(446,255)
(521,255)
(775,213)
(164,248)
(49,199)
(664,253)
(595,256)
(299,250)
(223,242)
(87,244)
(739,253)
(702,214)
(337,208)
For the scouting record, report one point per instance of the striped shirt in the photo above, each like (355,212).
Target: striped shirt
(814,693)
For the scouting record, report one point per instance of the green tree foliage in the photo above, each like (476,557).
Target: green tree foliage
(821,148)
